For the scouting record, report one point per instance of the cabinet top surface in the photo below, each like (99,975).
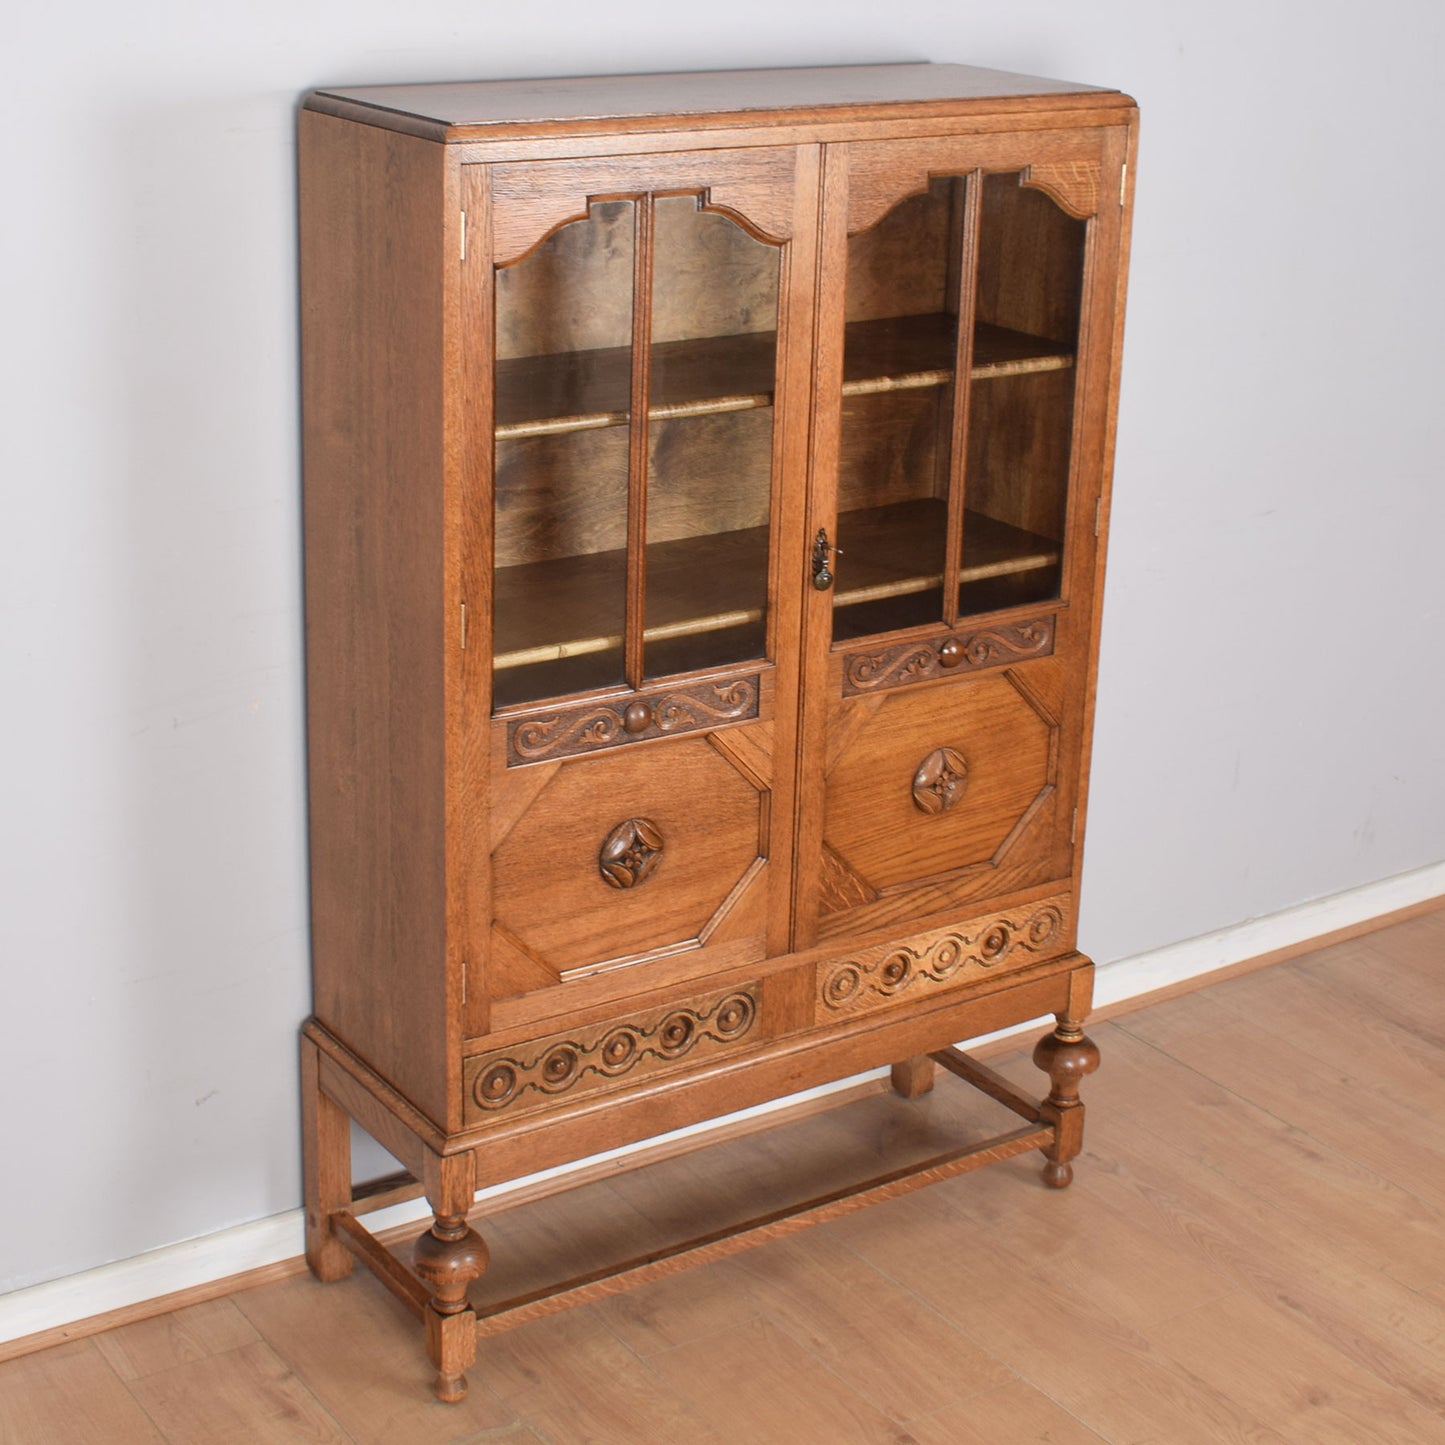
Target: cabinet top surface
(694,94)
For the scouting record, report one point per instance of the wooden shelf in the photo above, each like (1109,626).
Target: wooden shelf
(547,611)
(884,546)
(586,390)
(899,353)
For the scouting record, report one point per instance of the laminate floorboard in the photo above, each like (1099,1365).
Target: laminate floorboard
(1251,1251)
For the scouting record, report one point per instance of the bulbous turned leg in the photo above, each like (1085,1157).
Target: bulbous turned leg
(1067,1056)
(449,1256)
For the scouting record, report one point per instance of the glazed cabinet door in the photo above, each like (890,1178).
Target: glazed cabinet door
(644,324)
(958,466)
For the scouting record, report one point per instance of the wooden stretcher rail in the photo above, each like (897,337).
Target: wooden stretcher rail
(767,1227)
(493,1319)
(382,1263)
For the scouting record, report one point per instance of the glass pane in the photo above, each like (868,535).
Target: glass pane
(898,403)
(1021,408)
(564,349)
(710,439)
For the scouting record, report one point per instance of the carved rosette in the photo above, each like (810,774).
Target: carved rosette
(878,976)
(593,726)
(609,1054)
(630,852)
(940,780)
(959,652)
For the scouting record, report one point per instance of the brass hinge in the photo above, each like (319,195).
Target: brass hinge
(464,626)
(1098,514)
(1123,181)
(464,231)
(464,982)
(1074,827)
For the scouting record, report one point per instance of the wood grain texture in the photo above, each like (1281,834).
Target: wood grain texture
(1016,1411)
(590,727)
(856,93)
(708,812)
(578,405)
(507,1148)
(182,1337)
(371,272)
(951,655)
(948,958)
(870,817)
(885,173)
(70,1394)
(468,418)
(662,1263)
(607,1056)
(1214,1273)
(245,1394)
(532,201)
(364,1367)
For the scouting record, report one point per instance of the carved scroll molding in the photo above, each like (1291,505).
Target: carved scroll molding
(590,727)
(880,668)
(605,1056)
(885,973)
(1074,185)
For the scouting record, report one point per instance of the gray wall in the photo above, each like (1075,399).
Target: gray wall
(1271,696)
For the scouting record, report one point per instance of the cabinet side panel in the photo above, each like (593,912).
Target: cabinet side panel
(372,354)
(1121,152)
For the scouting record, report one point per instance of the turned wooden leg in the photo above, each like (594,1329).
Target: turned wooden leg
(1066,1056)
(326,1169)
(448,1257)
(913,1076)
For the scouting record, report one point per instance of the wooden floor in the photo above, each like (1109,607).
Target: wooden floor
(1253,1250)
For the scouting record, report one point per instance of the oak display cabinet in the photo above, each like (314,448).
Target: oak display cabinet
(706,480)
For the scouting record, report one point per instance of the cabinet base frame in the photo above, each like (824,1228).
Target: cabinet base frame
(450,1255)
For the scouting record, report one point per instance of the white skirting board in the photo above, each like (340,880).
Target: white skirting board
(234,1251)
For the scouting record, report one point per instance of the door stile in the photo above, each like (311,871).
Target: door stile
(788,587)
(962,394)
(822,513)
(635,612)
(469,422)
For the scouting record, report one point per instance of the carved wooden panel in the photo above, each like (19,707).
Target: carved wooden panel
(947,958)
(877,668)
(589,727)
(607,1055)
(549,892)
(1008,736)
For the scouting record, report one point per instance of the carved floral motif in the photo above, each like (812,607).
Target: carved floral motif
(593,1058)
(940,780)
(630,852)
(603,725)
(878,975)
(961,652)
